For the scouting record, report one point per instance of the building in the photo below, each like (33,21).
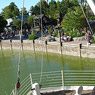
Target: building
(37,21)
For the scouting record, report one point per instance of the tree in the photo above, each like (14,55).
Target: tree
(10,11)
(3,23)
(35,10)
(44,7)
(31,20)
(74,19)
(17,23)
(24,11)
(64,7)
(52,9)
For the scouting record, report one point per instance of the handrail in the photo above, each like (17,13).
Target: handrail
(59,79)
(24,89)
(47,72)
(24,79)
(24,86)
(25,82)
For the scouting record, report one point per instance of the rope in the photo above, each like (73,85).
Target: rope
(18,74)
(42,43)
(86,18)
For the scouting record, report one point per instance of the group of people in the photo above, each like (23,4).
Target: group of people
(65,38)
(87,35)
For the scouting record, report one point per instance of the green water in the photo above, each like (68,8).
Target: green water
(31,63)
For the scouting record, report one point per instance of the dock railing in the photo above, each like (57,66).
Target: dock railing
(49,80)
(58,80)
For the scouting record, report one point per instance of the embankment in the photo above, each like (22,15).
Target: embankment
(54,47)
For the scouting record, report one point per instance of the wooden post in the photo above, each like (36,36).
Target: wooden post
(80,47)
(22,43)
(11,44)
(34,45)
(46,45)
(61,46)
(1,44)
(60,41)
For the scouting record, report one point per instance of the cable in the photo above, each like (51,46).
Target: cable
(41,41)
(20,34)
(86,18)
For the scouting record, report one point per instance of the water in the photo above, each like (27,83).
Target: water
(31,63)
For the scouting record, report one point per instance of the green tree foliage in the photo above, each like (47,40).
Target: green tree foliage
(17,23)
(24,11)
(30,20)
(10,11)
(74,19)
(33,36)
(44,7)
(35,10)
(3,23)
(52,9)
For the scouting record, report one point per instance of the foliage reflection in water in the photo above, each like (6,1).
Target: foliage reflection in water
(31,63)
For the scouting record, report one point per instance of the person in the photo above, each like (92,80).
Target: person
(65,38)
(88,39)
(86,35)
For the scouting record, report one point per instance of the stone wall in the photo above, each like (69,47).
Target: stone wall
(68,49)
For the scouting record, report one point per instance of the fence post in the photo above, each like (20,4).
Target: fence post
(33,45)
(80,47)
(62,79)
(22,43)
(61,44)
(1,44)
(46,45)
(11,44)
(31,79)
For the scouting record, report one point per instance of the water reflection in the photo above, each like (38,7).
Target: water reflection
(23,57)
(31,63)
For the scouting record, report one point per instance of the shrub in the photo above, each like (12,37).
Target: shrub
(93,41)
(76,33)
(33,36)
(49,30)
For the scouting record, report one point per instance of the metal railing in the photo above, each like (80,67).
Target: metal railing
(24,88)
(57,80)
(49,80)
(79,78)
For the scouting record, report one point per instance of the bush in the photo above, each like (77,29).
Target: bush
(93,41)
(33,36)
(75,33)
(49,30)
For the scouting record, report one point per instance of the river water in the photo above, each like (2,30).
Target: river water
(31,63)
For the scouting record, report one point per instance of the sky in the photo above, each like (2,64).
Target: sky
(27,3)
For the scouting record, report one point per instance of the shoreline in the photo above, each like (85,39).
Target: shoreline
(68,48)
